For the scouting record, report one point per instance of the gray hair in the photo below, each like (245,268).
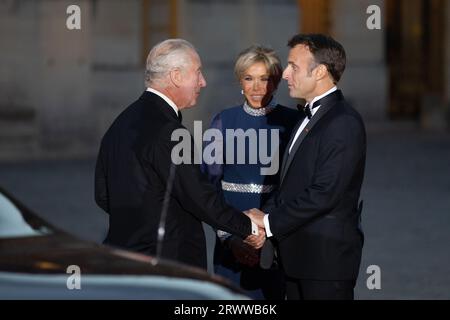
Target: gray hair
(165,56)
(255,54)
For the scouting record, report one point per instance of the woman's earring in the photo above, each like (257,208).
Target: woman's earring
(242,91)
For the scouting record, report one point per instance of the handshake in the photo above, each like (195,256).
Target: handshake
(256,241)
(247,251)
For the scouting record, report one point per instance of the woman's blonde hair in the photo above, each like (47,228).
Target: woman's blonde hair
(255,54)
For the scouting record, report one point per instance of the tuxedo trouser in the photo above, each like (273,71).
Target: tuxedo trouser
(300,289)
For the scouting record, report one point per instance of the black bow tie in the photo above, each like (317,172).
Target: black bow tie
(180,116)
(307,109)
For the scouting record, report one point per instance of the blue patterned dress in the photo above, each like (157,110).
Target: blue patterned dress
(246,185)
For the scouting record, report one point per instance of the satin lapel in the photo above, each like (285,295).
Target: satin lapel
(286,151)
(326,104)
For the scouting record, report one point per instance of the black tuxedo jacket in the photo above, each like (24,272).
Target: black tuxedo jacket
(131,178)
(314,215)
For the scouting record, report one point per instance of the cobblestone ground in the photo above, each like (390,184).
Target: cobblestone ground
(406,215)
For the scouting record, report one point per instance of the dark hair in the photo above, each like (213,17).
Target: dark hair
(325,50)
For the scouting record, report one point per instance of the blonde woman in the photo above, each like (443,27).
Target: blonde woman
(258,70)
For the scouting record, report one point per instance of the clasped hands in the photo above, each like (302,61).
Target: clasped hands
(246,251)
(256,241)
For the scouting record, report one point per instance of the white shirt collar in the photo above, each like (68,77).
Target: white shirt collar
(306,120)
(323,95)
(165,98)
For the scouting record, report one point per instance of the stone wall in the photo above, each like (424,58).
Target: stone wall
(60,89)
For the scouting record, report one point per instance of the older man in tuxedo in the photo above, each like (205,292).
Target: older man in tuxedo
(156,206)
(314,217)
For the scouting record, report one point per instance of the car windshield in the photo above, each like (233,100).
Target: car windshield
(12,223)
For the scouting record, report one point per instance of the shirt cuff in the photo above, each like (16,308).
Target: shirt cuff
(254,228)
(267,226)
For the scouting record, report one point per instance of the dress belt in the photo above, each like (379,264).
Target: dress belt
(247,187)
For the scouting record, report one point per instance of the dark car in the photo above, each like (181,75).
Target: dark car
(39,261)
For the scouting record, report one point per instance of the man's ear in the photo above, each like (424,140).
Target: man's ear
(320,72)
(176,77)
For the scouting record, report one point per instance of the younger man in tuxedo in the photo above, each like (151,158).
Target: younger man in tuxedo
(314,216)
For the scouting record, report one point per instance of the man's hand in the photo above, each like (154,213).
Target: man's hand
(257,216)
(244,253)
(256,241)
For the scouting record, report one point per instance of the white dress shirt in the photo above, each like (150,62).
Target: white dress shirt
(297,134)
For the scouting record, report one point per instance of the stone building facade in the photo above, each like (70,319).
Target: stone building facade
(60,89)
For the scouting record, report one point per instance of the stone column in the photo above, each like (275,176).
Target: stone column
(63,80)
(19,78)
(364,82)
(447,64)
